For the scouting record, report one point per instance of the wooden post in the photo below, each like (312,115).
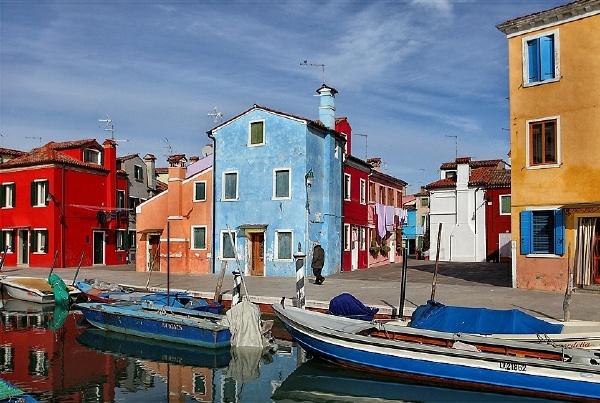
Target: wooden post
(217,297)
(403,283)
(569,290)
(168,263)
(78,267)
(437,262)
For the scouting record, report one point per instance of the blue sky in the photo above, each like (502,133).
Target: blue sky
(409,73)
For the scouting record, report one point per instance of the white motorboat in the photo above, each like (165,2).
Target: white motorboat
(32,289)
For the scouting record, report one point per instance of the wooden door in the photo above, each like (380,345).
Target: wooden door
(153,257)
(596,255)
(257,241)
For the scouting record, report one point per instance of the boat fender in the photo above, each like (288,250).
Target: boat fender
(459,345)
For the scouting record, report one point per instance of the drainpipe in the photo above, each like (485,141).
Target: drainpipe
(340,199)
(214,200)
(62,218)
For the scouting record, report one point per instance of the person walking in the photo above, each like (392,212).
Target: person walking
(318,261)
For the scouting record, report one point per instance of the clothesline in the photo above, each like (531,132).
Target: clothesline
(386,218)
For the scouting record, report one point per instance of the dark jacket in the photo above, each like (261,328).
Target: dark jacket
(318,259)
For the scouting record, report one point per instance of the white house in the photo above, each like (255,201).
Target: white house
(458,201)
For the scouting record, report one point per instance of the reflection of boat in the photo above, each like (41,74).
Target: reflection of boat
(154,350)
(318,381)
(178,325)
(32,289)
(9,393)
(446,358)
(20,306)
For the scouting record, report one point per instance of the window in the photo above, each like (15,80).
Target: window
(138,173)
(131,241)
(281,184)
(230,185)
(7,195)
(199,384)
(134,202)
(39,241)
(228,245)
(346,236)
(121,239)
(363,191)
(199,237)
(361,238)
(425,202)
(120,199)
(543,142)
(451,175)
(540,56)
(372,197)
(39,193)
(504,204)
(542,232)
(200,191)
(390,196)
(382,194)
(257,133)
(398,199)
(423,220)
(7,241)
(283,245)
(91,155)
(347,187)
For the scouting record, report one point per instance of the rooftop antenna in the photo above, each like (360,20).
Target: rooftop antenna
(455,144)
(108,126)
(35,138)
(366,136)
(322,66)
(168,146)
(216,115)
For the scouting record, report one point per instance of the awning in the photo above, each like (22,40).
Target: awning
(253,226)
(151,231)
(581,208)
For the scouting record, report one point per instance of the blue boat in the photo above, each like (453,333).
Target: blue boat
(202,329)
(154,350)
(9,393)
(468,361)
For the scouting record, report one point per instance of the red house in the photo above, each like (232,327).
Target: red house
(62,200)
(497,216)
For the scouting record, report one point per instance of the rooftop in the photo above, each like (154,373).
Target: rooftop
(11,152)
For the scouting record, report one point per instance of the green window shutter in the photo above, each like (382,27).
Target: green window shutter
(256,133)
(45,240)
(200,191)
(33,241)
(2,240)
(14,195)
(46,192)
(282,183)
(33,193)
(2,195)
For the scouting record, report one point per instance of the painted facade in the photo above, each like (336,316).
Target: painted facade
(554,88)
(356,214)
(186,208)
(458,201)
(66,198)
(278,184)
(386,191)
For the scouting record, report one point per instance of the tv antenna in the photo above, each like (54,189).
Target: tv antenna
(168,146)
(108,126)
(38,138)
(455,144)
(320,65)
(216,115)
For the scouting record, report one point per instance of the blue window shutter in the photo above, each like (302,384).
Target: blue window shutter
(547,57)
(559,233)
(526,229)
(534,60)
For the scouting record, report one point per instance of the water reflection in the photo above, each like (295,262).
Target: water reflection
(78,364)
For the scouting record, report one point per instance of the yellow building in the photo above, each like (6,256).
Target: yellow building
(554,83)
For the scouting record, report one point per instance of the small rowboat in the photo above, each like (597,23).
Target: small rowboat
(169,324)
(32,289)
(468,361)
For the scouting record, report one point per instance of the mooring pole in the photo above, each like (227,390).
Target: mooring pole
(236,293)
(300,258)
(168,263)
(437,262)
(569,290)
(403,284)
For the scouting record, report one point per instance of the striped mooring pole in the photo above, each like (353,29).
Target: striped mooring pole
(300,258)
(236,292)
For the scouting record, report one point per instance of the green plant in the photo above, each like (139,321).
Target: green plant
(384,248)
(374,249)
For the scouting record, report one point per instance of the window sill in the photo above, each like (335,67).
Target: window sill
(38,253)
(281,198)
(199,249)
(257,145)
(284,260)
(199,201)
(544,166)
(6,207)
(544,255)
(39,205)
(228,259)
(505,213)
(536,83)
(230,200)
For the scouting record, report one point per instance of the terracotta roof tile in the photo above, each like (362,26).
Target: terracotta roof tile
(47,154)
(64,145)
(161,186)
(11,152)
(161,170)
(472,163)
(487,177)
(442,183)
(127,157)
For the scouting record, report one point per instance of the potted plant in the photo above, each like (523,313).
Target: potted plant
(384,248)
(374,249)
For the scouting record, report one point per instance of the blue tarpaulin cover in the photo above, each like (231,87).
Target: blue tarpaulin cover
(455,319)
(349,306)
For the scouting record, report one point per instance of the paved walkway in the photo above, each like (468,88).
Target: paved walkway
(467,284)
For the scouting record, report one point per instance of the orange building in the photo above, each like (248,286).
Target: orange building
(554,86)
(183,216)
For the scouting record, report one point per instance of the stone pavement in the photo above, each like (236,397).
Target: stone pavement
(467,284)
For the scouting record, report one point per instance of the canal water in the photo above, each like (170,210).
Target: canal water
(57,357)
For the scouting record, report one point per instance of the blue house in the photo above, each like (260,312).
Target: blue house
(412,233)
(277,186)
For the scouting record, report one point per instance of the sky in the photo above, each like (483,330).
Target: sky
(409,73)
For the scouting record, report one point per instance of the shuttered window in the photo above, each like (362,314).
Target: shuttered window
(200,191)
(257,133)
(198,237)
(542,232)
(39,193)
(282,184)
(284,245)
(230,186)
(39,241)
(541,59)
(504,204)
(228,245)
(121,239)
(7,195)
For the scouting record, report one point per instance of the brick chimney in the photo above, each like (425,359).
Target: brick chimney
(150,161)
(194,158)
(375,162)
(110,163)
(175,189)
(327,105)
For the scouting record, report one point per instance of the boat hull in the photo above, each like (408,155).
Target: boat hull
(32,290)
(421,364)
(154,326)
